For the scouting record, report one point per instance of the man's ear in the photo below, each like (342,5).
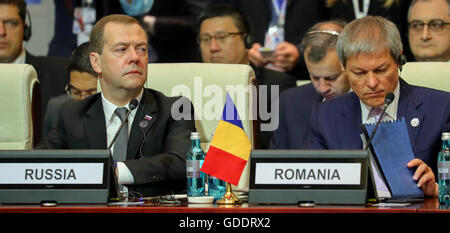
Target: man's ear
(96,62)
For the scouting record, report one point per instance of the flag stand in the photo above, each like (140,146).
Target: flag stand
(229,198)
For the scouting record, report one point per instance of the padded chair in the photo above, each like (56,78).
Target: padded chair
(434,75)
(204,83)
(18,88)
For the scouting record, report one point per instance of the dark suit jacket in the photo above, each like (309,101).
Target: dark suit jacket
(268,78)
(295,113)
(336,123)
(161,168)
(397,13)
(300,15)
(53,77)
(175,37)
(52,112)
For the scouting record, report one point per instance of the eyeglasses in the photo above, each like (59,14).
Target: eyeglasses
(220,37)
(435,25)
(74,93)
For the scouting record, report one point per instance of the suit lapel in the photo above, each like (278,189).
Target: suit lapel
(95,126)
(144,119)
(409,107)
(351,123)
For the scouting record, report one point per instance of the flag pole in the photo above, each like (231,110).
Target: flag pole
(229,198)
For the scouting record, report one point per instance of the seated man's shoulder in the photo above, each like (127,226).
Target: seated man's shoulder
(299,91)
(76,108)
(430,93)
(47,60)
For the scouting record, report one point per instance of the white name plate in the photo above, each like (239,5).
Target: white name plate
(51,173)
(308,174)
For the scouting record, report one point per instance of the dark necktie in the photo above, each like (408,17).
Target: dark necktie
(120,146)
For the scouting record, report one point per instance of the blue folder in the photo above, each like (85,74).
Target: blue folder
(392,149)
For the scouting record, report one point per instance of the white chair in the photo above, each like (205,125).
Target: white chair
(17,85)
(206,86)
(434,75)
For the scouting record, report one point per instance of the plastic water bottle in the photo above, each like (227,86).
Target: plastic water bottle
(444,170)
(216,187)
(194,160)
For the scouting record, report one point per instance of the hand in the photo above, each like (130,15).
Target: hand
(256,57)
(424,177)
(286,56)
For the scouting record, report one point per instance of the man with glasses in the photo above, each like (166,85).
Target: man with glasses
(14,30)
(429,29)
(328,81)
(82,83)
(225,36)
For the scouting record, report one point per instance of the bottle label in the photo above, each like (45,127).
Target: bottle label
(443,170)
(193,168)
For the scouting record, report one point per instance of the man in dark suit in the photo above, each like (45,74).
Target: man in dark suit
(51,71)
(328,81)
(370,50)
(152,159)
(82,83)
(299,16)
(224,38)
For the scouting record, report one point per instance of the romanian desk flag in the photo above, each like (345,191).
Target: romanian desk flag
(230,147)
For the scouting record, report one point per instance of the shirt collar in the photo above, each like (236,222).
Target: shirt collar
(21,58)
(109,107)
(391,111)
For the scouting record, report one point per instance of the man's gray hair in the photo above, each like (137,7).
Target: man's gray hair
(371,34)
(320,41)
(413,2)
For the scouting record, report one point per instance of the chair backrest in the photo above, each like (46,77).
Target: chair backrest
(206,86)
(434,75)
(17,84)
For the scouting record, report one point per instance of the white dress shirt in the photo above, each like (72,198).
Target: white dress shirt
(112,125)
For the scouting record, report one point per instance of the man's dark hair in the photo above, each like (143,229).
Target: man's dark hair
(21,4)
(81,61)
(240,20)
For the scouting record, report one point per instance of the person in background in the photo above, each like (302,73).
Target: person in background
(224,38)
(150,150)
(328,81)
(279,26)
(170,25)
(393,10)
(51,71)
(82,83)
(429,30)
(370,51)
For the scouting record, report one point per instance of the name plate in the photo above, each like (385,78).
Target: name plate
(308,173)
(321,176)
(64,176)
(51,173)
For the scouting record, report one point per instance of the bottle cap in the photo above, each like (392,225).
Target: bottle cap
(201,200)
(445,136)
(195,135)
